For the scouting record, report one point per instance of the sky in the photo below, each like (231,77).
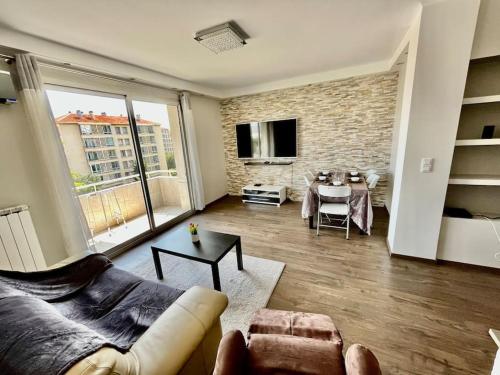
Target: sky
(62,102)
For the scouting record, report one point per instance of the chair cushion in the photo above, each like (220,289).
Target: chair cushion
(334,208)
(315,326)
(284,354)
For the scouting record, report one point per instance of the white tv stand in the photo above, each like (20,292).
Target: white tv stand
(264,194)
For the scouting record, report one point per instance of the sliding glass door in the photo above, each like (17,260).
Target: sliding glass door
(126,160)
(160,139)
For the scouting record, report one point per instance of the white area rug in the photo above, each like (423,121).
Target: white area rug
(247,290)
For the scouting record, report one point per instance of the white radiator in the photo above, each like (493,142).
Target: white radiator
(19,246)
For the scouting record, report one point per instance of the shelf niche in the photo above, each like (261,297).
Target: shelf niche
(474,182)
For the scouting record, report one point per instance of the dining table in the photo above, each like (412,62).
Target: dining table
(360,204)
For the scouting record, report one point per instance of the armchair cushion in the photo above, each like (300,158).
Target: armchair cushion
(314,326)
(284,354)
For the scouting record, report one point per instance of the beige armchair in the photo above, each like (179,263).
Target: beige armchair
(183,340)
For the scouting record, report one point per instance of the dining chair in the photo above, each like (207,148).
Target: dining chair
(372,181)
(308,182)
(369,173)
(311,174)
(342,208)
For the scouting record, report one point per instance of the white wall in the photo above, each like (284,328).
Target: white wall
(439,53)
(207,121)
(487,37)
(401,68)
(21,180)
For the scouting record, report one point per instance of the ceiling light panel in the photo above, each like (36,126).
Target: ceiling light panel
(222,38)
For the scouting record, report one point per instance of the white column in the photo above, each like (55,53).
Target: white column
(439,52)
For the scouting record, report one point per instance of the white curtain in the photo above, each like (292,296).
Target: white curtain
(192,153)
(51,154)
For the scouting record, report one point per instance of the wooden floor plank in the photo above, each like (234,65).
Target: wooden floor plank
(418,318)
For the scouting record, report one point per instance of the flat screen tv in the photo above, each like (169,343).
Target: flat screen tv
(267,139)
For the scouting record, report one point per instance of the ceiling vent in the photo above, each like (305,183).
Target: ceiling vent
(220,38)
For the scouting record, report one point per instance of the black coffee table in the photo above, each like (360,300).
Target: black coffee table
(211,249)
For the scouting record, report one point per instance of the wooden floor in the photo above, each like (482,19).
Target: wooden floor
(418,318)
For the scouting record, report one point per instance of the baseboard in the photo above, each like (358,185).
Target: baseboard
(468,265)
(411,257)
(214,202)
(387,209)
(389,248)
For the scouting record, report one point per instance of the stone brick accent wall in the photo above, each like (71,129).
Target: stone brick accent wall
(342,125)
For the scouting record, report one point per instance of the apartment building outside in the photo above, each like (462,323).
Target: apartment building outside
(167,140)
(102,145)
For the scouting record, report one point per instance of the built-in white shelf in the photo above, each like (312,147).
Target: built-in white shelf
(482,99)
(481,180)
(470,241)
(478,142)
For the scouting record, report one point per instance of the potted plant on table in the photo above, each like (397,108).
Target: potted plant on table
(193,229)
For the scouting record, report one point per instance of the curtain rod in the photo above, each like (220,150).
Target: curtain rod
(42,61)
(88,72)
(52,64)
(7,57)
(64,66)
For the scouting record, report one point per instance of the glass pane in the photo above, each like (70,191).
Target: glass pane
(161,146)
(97,140)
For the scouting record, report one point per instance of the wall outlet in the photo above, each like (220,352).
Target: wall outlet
(426,165)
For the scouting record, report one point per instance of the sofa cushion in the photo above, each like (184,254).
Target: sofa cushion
(284,354)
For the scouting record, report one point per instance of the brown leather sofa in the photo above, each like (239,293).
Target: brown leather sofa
(290,343)
(183,340)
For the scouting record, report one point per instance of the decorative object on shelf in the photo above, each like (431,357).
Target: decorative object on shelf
(488,132)
(193,229)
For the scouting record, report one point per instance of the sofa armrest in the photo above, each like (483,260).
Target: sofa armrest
(361,361)
(71,259)
(167,345)
(170,341)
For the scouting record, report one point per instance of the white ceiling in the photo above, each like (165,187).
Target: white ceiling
(288,38)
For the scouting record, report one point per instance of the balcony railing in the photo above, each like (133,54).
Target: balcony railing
(99,186)
(111,203)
